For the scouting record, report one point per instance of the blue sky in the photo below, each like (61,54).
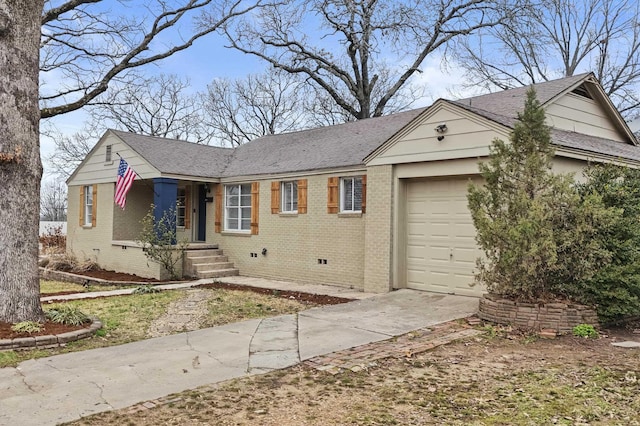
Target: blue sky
(208,59)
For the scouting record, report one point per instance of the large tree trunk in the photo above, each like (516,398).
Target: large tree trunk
(20,167)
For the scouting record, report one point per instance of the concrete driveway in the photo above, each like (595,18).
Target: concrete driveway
(66,387)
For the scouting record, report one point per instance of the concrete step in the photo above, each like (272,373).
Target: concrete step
(201,246)
(202,253)
(219,273)
(206,259)
(214,266)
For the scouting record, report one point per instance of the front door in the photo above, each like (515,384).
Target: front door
(202,213)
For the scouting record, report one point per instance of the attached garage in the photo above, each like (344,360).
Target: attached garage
(441,251)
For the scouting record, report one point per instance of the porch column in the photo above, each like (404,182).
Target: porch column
(164,197)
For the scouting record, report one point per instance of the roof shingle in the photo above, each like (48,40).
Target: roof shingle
(350,143)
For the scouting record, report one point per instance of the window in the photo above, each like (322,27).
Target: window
(237,206)
(351,194)
(181,210)
(107,155)
(88,205)
(289,197)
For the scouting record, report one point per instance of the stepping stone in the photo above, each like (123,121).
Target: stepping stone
(627,344)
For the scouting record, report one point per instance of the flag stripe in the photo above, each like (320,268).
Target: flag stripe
(125,179)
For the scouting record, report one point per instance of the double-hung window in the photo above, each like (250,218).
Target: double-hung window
(181,207)
(88,205)
(237,206)
(289,191)
(351,194)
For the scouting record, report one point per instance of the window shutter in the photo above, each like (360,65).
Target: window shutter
(82,205)
(187,208)
(218,212)
(275,197)
(94,206)
(364,194)
(332,195)
(255,205)
(302,196)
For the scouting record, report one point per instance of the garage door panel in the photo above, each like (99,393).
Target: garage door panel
(441,250)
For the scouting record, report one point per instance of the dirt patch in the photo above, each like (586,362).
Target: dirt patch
(317,299)
(48,328)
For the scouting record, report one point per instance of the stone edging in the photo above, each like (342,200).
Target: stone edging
(50,274)
(51,340)
(560,317)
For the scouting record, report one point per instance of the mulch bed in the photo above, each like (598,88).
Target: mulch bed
(49,328)
(318,299)
(116,276)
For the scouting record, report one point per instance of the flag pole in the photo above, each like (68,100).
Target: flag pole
(141,179)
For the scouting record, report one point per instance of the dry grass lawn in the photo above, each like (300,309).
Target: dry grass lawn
(489,380)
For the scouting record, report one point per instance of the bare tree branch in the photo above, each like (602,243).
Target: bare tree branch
(558,38)
(84,50)
(371,34)
(245,109)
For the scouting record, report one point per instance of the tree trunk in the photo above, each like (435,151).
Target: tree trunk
(20,166)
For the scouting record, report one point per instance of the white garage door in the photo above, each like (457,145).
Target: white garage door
(441,247)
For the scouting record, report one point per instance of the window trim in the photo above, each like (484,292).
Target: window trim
(294,197)
(108,154)
(239,207)
(342,194)
(181,206)
(88,206)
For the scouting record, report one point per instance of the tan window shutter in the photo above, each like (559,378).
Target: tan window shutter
(332,195)
(82,205)
(275,197)
(255,206)
(218,212)
(364,194)
(94,206)
(187,208)
(302,196)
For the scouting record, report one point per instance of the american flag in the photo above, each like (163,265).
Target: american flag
(125,179)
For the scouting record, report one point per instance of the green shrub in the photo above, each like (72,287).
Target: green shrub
(66,314)
(159,241)
(615,288)
(27,327)
(146,289)
(585,330)
(539,236)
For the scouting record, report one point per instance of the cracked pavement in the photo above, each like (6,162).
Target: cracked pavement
(62,388)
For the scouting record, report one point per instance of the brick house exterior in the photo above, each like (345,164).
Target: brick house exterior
(374,205)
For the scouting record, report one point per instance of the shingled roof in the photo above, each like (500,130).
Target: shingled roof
(343,145)
(178,157)
(348,144)
(329,147)
(503,108)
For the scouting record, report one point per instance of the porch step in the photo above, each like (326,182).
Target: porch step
(201,267)
(202,253)
(219,273)
(208,263)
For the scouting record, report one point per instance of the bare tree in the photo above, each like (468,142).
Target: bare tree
(366,50)
(558,38)
(155,106)
(85,46)
(70,150)
(257,105)
(53,201)
(20,167)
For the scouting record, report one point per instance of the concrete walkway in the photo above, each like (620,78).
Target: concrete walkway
(66,387)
